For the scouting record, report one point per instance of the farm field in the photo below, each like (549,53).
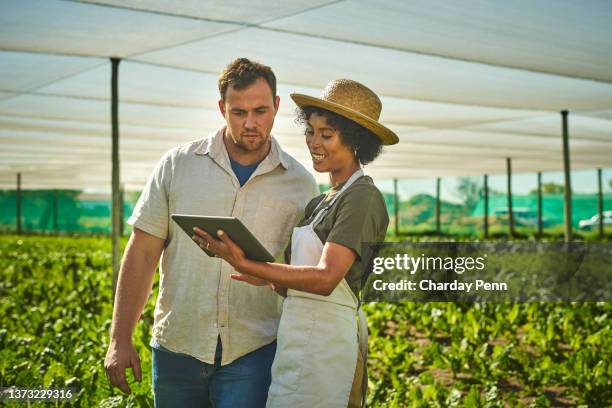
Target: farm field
(55,303)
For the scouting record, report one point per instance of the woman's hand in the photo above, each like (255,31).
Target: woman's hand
(251,279)
(226,249)
(223,247)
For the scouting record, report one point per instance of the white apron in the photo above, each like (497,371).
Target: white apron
(317,343)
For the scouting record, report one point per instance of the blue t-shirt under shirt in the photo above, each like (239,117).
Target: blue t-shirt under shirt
(243,173)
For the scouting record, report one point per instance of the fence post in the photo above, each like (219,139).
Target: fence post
(510,213)
(486,206)
(600,203)
(438,206)
(567,193)
(121,210)
(55,211)
(18,204)
(116,196)
(540,226)
(396,207)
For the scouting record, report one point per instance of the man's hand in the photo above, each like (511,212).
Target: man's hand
(133,287)
(118,358)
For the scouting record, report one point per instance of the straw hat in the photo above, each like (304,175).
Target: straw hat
(354,101)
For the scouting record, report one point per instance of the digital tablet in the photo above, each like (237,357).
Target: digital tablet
(232,226)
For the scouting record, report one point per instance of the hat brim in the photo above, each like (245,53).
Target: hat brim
(386,136)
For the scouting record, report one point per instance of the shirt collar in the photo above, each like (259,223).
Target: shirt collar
(214,147)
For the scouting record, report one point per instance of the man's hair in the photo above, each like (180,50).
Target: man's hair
(352,134)
(242,73)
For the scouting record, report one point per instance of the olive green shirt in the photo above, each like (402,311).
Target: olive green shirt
(358,216)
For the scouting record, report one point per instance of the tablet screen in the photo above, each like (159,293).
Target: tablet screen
(232,226)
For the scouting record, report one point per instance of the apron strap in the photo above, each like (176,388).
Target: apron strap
(319,216)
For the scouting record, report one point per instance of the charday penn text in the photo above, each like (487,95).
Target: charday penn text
(430,285)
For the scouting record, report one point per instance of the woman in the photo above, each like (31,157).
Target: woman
(319,345)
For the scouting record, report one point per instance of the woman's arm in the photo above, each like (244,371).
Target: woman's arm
(321,279)
(281,290)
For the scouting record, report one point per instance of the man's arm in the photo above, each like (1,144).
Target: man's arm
(133,287)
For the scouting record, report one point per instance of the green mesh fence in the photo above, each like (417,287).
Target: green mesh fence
(59,211)
(462,208)
(462,204)
(525,210)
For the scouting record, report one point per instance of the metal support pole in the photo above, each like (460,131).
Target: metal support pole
(540,225)
(121,210)
(567,194)
(486,206)
(116,196)
(438,205)
(18,204)
(55,211)
(600,203)
(396,207)
(510,213)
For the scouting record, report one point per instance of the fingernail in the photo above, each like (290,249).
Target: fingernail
(219,233)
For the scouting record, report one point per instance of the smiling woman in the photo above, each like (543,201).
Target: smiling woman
(361,142)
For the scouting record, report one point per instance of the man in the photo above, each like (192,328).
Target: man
(214,337)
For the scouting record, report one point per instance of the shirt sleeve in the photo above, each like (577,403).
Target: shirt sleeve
(361,217)
(151,211)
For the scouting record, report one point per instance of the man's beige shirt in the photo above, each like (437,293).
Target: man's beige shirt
(197,300)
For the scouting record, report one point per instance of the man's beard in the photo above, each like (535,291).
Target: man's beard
(255,145)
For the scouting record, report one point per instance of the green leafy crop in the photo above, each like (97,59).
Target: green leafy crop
(55,303)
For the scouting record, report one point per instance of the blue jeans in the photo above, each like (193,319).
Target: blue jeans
(180,380)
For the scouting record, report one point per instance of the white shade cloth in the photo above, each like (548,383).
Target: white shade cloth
(464,85)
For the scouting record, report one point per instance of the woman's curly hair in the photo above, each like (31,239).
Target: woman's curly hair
(353,135)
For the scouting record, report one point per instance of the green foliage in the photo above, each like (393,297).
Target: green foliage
(490,355)
(469,189)
(549,188)
(55,303)
(419,212)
